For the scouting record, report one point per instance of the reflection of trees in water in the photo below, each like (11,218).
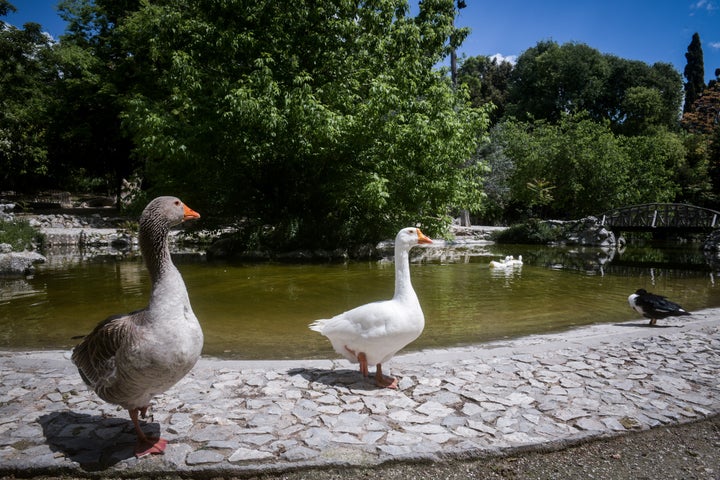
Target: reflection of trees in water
(675,262)
(584,259)
(678,262)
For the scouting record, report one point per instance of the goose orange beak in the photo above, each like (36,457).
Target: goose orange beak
(189,213)
(422,238)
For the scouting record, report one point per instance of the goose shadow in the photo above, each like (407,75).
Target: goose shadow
(347,378)
(94,442)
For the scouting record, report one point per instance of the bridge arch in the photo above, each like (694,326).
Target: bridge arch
(661,217)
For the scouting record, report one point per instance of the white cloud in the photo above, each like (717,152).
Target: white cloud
(499,58)
(715,45)
(708,5)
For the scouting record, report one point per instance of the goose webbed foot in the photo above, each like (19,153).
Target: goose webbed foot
(150,446)
(145,445)
(384,381)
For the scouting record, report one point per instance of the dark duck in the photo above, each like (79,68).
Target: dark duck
(654,306)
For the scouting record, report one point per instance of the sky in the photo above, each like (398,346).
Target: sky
(646,30)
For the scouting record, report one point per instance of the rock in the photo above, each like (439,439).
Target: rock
(19,263)
(587,232)
(5,214)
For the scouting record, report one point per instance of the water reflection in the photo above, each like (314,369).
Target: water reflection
(255,311)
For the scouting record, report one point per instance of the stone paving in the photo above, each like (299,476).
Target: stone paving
(249,417)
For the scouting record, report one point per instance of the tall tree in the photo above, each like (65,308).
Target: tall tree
(638,97)
(487,81)
(550,80)
(325,119)
(87,147)
(25,97)
(694,72)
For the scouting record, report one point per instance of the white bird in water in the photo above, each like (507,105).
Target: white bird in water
(508,262)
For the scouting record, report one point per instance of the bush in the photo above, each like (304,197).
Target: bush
(534,232)
(20,234)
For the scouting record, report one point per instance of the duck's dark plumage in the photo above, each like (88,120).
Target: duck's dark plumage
(654,306)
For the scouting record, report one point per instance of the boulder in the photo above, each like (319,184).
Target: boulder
(14,264)
(588,232)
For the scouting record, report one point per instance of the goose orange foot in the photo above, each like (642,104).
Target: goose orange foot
(384,381)
(145,446)
(150,446)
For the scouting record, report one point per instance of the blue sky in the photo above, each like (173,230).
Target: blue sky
(647,30)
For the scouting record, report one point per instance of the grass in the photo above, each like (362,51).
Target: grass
(20,234)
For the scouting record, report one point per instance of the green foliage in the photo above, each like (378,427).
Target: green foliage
(579,167)
(20,234)
(551,80)
(325,120)
(579,160)
(694,72)
(532,232)
(654,161)
(25,74)
(694,175)
(487,82)
(634,89)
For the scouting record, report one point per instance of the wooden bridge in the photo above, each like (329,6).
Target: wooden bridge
(661,217)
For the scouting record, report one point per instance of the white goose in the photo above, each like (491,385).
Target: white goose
(373,333)
(128,359)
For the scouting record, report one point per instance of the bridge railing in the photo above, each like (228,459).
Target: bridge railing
(651,216)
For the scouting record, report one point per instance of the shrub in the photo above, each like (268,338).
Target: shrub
(534,231)
(20,234)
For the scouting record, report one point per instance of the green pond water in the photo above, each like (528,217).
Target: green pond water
(261,311)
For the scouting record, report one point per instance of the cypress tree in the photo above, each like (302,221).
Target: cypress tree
(694,72)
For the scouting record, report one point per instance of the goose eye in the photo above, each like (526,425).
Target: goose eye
(177,202)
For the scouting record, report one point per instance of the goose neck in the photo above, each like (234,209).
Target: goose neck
(155,251)
(403,286)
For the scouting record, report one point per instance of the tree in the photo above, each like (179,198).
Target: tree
(325,120)
(694,72)
(550,80)
(487,81)
(703,114)
(654,165)
(639,97)
(578,167)
(573,168)
(87,148)
(24,100)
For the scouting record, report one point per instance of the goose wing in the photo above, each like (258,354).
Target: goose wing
(378,329)
(96,356)
(366,321)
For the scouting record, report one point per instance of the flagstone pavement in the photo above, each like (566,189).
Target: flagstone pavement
(251,417)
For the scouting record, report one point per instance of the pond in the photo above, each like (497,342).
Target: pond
(262,310)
